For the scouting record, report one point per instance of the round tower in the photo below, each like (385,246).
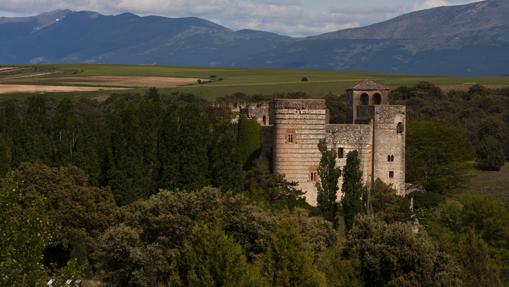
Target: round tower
(299,125)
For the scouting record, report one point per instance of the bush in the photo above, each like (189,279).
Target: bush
(490,154)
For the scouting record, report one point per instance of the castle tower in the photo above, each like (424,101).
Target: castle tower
(299,125)
(370,105)
(362,98)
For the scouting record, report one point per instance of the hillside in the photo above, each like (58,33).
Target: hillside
(470,39)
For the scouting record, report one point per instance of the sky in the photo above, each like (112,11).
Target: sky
(288,17)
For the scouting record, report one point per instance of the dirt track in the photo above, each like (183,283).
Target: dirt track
(13,88)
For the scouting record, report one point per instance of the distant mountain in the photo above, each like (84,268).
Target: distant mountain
(470,39)
(89,37)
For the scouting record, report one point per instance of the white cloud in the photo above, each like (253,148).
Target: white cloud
(290,17)
(427,4)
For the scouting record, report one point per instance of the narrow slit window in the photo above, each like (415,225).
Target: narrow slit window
(400,128)
(341,152)
(290,138)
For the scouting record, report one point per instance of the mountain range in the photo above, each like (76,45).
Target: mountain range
(470,39)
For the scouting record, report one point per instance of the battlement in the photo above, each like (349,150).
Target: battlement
(300,104)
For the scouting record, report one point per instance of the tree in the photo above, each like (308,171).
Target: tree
(272,188)
(289,262)
(387,205)
(24,234)
(435,153)
(225,165)
(65,132)
(78,211)
(490,154)
(212,258)
(5,156)
(194,139)
(249,141)
(328,185)
(353,189)
(168,150)
(393,255)
(478,267)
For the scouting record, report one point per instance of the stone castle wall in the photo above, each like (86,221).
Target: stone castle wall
(298,127)
(389,145)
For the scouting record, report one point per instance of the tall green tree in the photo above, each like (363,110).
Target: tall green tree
(37,140)
(168,150)
(478,267)
(65,132)
(5,156)
(225,164)
(24,235)
(353,189)
(249,141)
(212,258)
(328,185)
(289,261)
(194,139)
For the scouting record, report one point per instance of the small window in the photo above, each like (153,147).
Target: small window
(377,99)
(290,136)
(264,120)
(313,176)
(400,128)
(341,152)
(364,99)
(391,174)
(390,158)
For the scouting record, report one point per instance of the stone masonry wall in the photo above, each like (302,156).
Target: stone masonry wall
(304,120)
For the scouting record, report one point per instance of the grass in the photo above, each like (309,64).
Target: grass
(493,183)
(267,81)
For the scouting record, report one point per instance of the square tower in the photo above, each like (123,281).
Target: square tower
(362,98)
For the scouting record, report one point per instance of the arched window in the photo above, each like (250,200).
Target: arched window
(264,120)
(364,99)
(400,128)
(377,99)
(313,173)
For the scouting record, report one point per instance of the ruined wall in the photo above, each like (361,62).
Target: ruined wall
(299,124)
(350,137)
(389,145)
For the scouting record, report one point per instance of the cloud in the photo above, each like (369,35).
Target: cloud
(289,17)
(427,4)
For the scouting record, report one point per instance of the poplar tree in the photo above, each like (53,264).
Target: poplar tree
(225,165)
(328,185)
(249,141)
(168,149)
(194,138)
(353,189)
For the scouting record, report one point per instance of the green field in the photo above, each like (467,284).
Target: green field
(263,81)
(493,183)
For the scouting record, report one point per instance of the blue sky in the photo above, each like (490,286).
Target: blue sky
(289,17)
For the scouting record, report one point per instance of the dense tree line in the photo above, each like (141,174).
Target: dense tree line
(161,191)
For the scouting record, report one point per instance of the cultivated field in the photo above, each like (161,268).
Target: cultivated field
(216,82)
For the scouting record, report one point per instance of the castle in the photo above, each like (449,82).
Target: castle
(375,129)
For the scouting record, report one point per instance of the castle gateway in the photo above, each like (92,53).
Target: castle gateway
(375,129)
